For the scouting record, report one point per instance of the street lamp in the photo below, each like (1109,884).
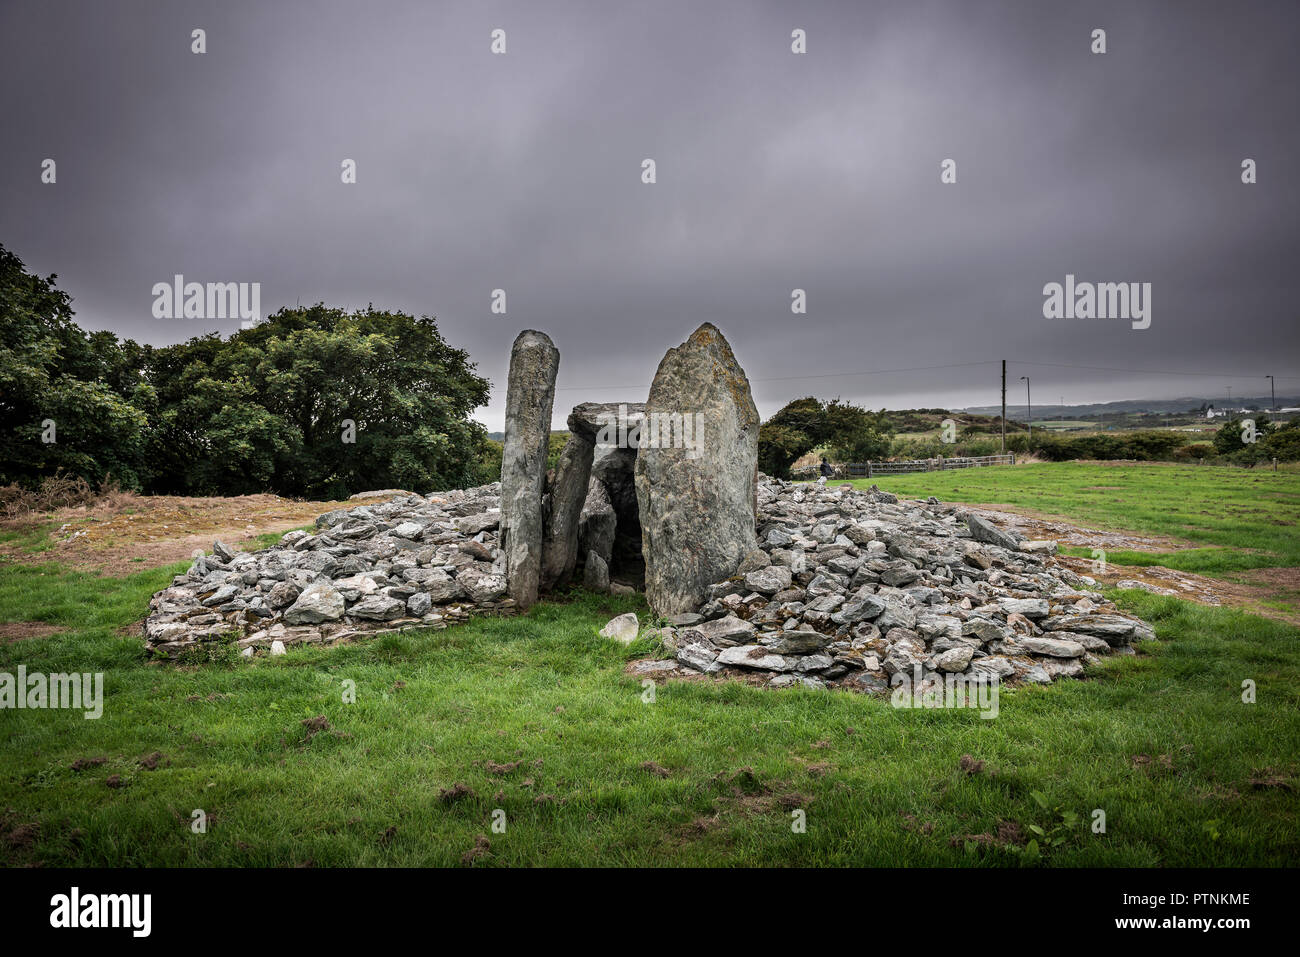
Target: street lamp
(1272,394)
(1030,402)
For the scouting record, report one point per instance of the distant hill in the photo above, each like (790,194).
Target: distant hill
(928,420)
(1051,410)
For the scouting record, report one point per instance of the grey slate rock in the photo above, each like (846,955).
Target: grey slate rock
(530,393)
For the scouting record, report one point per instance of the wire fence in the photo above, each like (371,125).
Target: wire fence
(872,469)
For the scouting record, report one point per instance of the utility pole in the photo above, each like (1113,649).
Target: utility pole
(1004,406)
(1272,406)
(1030,401)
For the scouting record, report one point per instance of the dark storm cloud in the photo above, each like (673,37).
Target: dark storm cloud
(775,171)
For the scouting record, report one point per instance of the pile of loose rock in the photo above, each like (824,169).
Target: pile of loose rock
(832,585)
(849,588)
(413,562)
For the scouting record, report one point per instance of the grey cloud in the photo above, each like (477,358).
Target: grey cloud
(775,171)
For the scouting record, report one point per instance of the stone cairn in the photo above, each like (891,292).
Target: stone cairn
(849,588)
(755,577)
(413,562)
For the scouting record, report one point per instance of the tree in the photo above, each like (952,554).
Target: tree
(1283,444)
(313,402)
(320,402)
(850,433)
(71,401)
(856,435)
(1229,441)
(795,430)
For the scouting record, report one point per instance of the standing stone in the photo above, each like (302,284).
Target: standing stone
(530,392)
(568,493)
(614,467)
(597,524)
(596,573)
(696,488)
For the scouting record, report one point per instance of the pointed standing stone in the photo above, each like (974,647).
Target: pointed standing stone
(530,393)
(597,522)
(697,500)
(568,492)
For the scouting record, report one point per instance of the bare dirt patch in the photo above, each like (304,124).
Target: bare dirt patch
(455,793)
(1270,779)
(23,630)
(130,533)
(1257,591)
(1279,580)
(1009,834)
(1059,528)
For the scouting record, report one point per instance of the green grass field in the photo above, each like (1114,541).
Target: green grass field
(533,720)
(1239,518)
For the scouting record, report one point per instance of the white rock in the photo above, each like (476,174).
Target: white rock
(623,628)
(954,659)
(755,656)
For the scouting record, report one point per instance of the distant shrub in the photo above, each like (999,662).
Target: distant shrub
(313,402)
(1151,446)
(1284,443)
(54,492)
(846,432)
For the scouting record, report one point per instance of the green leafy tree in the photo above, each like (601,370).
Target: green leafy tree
(555,444)
(488,464)
(1228,441)
(1283,444)
(321,402)
(795,430)
(779,446)
(70,401)
(314,402)
(855,435)
(851,434)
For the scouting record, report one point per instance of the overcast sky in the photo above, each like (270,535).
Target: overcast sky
(775,171)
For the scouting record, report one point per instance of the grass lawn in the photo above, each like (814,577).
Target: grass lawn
(1186,773)
(536,717)
(1242,518)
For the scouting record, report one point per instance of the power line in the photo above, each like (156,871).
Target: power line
(957,365)
(1203,375)
(790,378)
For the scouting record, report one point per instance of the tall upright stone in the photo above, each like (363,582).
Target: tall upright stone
(530,393)
(589,424)
(696,476)
(598,522)
(568,493)
(617,426)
